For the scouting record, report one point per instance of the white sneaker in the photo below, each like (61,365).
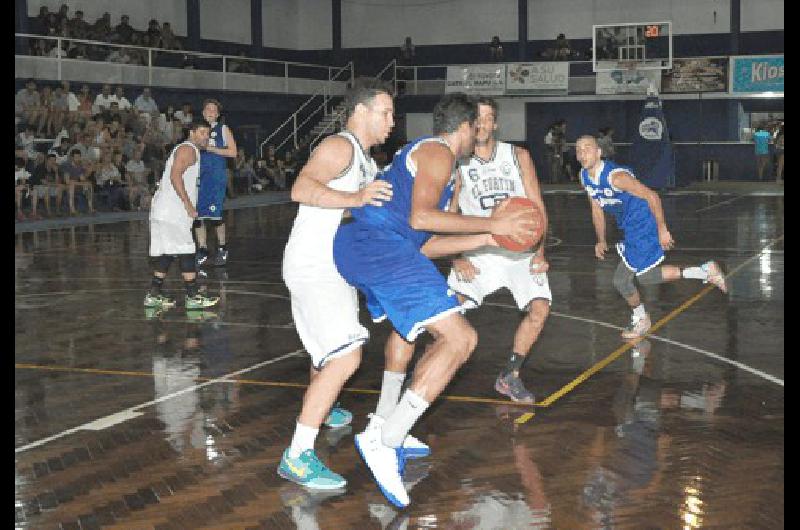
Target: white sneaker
(383,463)
(638,327)
(412,446)
(715,275)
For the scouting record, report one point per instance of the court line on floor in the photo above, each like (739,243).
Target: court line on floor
(707,353)
(130,412)
(720,204)
(613,356)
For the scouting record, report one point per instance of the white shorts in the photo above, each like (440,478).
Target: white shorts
(325,313)
(169,238)
(497,271)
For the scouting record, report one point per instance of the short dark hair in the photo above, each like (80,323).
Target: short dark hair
(210,100)
(453,110)
(51,155)
(489,102)
(197,123)
(75,152)
(363,91)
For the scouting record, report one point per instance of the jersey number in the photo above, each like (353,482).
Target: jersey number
(488,202)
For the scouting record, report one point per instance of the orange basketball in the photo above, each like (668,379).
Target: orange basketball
(520,203)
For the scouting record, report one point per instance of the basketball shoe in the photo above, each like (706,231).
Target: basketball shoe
(511,385)
(638,327)
(715,275)
(338,417)
(202,256)
(221,258)
(158,300)
(307,470)
(200,301)
(412,446)
(383,462)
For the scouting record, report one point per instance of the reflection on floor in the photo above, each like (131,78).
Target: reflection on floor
(126,418)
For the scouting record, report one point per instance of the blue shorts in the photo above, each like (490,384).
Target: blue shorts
(211,194)
(398,281)
(641,250)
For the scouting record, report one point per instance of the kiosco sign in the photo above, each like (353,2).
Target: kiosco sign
(756,73)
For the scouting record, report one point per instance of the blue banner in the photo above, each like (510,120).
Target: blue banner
(757,73)
(651,156)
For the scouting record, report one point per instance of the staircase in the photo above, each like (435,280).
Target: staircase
(329,124)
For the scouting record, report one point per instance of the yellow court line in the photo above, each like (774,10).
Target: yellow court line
(468,399)
(625,347)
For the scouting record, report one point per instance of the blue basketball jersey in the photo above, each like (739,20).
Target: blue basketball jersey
(394,215)
(640,249)
(212,161)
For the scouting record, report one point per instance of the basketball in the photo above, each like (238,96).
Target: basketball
(514,204)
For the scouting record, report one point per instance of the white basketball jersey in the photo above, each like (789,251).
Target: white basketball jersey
(485,183)
(167,205)
(310,243)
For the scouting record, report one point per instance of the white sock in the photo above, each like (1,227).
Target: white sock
(639,312)
(405,415)
(695,273)
(304,438)
(390,393)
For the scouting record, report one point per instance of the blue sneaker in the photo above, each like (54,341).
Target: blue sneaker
(307,470)
(338,417)
(384,465)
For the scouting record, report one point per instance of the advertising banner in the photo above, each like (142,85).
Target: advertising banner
(626,81)
(537,78)
(483,79)
(701,74)
(756,73)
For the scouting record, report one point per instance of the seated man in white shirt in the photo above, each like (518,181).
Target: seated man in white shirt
(103,100)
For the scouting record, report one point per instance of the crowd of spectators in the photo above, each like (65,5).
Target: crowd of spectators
(60,24)
(107,150)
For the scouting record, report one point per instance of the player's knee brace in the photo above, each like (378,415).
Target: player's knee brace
(162,264)
(623,281)
(651,277)
(186,263)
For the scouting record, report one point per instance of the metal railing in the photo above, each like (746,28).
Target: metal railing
(324,95)
(77,60)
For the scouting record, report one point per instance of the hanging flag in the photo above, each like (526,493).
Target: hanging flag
(652,157)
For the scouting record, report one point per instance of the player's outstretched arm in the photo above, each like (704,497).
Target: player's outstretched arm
(599,222)
(229,150)
(327,162)
(626,182)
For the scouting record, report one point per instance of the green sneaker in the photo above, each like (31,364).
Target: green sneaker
(200,301)
(152,313)
(338,417)
(307,470)
(158,300)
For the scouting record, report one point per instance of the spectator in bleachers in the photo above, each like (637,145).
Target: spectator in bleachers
(136,174)
(61,151)
(59,109)
(101,30)
(124,30)
(78,28)
(562,49)
(407,51)
(243,170)
(119,94)
(778,140)
(146,104)
(119,55)
(85,104)
(27,103)
(154,33)
(168,39)
(83,145)
(49,178)
(273,168)
(606,143)
(77,176)
(72,103)
(25,141)
(138,56)
(495,49)
(63,14)
(39,24)
(130,144)
(45,124)
(109,179)
(103,100)
(241,65)
(185,114)
(21,177)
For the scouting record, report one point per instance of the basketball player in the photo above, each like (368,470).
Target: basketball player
(213,183)
(637,210)
(339,175)
(381,253)
(496,171)
(171,216)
